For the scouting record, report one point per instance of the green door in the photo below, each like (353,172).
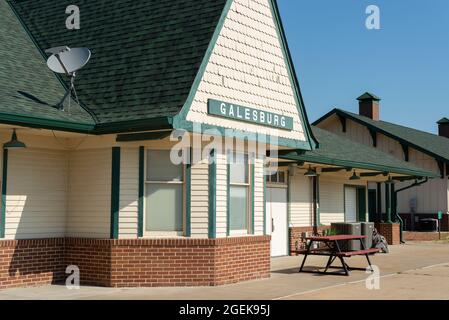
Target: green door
(361,201)
(372,205)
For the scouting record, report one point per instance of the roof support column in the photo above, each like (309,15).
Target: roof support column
(379,202)
(388,202)
(316,203)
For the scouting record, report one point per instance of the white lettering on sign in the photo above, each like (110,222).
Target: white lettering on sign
(247,114)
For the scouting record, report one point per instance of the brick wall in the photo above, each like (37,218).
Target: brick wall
(391,232)
(92,257)
(425,236)
(136,263)
(296,236)
(31,262)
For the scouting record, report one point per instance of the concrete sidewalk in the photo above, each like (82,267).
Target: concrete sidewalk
(411,271)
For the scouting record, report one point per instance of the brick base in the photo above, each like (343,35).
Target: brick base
(31,262)
(297,235)
(391,232)
(425,236)
(137,262)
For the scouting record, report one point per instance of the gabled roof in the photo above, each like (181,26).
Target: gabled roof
(145,54)
(339,151)
(428,143)
(29,91)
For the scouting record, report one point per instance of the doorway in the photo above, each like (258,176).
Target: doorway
(276,209)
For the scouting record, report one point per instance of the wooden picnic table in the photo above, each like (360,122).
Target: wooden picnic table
(336,248)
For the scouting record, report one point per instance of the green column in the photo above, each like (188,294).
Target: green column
(388,202)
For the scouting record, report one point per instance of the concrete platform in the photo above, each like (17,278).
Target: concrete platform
(411,271)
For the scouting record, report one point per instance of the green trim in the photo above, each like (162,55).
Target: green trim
(362,201)
(239,134)
(140,208)
(115,193)
(264,202)
(35,122)
(253,172)
(180,122)
(4,192)
(228,196)
(313,143)
(159,123)
(143,136)
(188,227)
(289,209)
(318,201)
(179,119)
(359,165)
(212,195)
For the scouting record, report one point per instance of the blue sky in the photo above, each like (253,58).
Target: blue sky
(406,63)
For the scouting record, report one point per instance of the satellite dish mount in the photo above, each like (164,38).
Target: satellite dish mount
(67,61)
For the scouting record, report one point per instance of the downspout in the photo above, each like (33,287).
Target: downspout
(401,222)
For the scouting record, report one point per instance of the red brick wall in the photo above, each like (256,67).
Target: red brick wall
(296,236)
(137,262)
(92,257)
(31,262)
(241,259)
(391,232)
(189,262)
(425,236)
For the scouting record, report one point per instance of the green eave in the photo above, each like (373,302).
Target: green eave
(359,165)
(335,150)
(45,123)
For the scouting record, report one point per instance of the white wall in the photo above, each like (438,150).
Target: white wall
(89,207)
(248,68)
(129,192)
(301,209)
(36,193)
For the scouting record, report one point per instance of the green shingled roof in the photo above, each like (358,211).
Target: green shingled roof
(339,151)
(431,144)
(29,91)
(145,54)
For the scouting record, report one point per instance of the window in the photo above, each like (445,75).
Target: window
(278,177)
(164,189)
(239,194)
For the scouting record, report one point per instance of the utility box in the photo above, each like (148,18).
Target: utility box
(348,228)
(367,230)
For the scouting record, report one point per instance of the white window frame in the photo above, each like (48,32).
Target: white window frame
(164,234)
(246,231)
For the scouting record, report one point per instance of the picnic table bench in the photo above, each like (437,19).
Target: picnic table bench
(336,248)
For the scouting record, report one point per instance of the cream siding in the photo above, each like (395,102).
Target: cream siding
(301,209)
(247,67)
(129,192)
(36,193)
(199,199)
(89,210)
(332,208)
(222,195)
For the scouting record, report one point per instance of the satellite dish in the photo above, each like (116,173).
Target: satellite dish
(67,61)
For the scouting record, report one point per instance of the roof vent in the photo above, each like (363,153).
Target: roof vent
(369,106)
(443,127)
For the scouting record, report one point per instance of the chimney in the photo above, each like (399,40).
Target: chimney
(369,106)
(443,127)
